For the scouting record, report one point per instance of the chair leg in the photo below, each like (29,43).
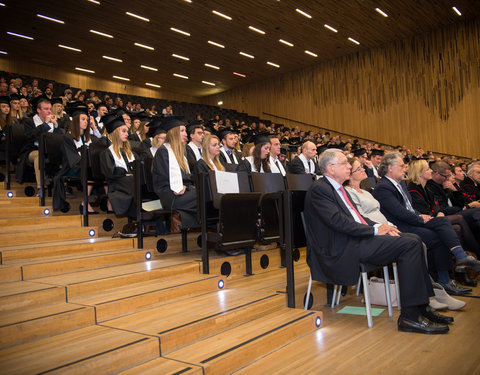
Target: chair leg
(358,284)
(339,294)
(386,280)
(307,298)
(397,288)
(367,300)
(334,296)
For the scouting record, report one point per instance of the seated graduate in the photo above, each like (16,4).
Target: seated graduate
(172,179)
(57,110)
(305,161)
(137,131)
(4,119)
(156,136)
(194,147)
(210,160)
(115,166)
(77,135)
(228,153)
(259,160)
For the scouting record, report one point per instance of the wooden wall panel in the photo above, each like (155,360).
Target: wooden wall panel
(86,81)
(421,91)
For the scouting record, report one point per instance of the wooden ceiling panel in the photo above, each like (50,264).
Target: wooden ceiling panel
(353,18)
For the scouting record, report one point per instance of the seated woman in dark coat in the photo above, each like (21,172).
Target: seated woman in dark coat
(78,135)
(210,155)
(419,174)
(156,137)
(172,178)
(115,166)
(258,162)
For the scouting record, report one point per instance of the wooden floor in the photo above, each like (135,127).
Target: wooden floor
(71,303)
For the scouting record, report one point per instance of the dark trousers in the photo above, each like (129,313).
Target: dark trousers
(407,252)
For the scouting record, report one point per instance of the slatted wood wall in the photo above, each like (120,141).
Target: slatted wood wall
(420,91)
(86,81)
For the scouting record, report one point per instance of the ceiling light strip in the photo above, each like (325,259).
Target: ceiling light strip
(208,83)
(330,28)
(180,76)
(70,48)
(49,18)
(285,42)
(216,44)
(137,16)
(112,58)
(94,1)
(149,68)
(212,66)
(273,64)
(179,31)
(381,12)
(20,35)
(122,78)
(102,34)
(247,55)
(239,74)
(180,57)
(303,13)
(354,41)
(85,70)
(144,46)
(311,53)
(256,30)
(222,15)
(4,52)
(152,84)
(455,9)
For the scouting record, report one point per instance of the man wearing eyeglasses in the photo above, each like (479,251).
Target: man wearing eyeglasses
(339,238)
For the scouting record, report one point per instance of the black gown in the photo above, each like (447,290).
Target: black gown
(185,204)
(120,186)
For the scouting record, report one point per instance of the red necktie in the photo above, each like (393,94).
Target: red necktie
(345,196)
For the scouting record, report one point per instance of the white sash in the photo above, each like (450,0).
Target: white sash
(174,171)
(79,144)
(229,161)
(38,121)
(195,150)
(306,163)
(153,150)
(119,162)
(250,160)
(273,166)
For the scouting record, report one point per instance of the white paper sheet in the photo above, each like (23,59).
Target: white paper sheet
(227,182)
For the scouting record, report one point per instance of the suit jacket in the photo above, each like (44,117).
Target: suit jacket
(393,207)
(468,186)
(333,236)
(296,166)
(441,196)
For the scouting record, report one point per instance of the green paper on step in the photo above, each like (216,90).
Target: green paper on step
(356,310)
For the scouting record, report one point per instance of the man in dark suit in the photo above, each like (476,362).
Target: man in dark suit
(228,154)
(276,166)
(304,163)
(339,238)
(194,147)
(437,233)
(471,183)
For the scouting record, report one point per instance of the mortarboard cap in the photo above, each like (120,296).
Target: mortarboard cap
(377,152)
(359,152)
(111,121)
(76,108)
(171,122)
(4,100)
(14,97)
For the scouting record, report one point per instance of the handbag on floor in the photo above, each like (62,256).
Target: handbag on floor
(376,288)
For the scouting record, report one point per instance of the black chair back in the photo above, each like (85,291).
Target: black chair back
(96,148)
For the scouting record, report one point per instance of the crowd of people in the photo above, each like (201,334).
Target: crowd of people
(376,212)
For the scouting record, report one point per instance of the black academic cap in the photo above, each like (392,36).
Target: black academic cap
(76,108)
(171,122)
(261,138)
(155,127)
(192,125)
(56,100)
(142,116)
(111,121)
(359,152)
(283,150)
(34,101)
(221,134)
(4,100)
(377,152)
(14,97)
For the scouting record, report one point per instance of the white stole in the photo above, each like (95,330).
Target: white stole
(273,166)
(153,150)
(174,171)
(224,151)
(250,160)
(307,163)
(79,144)
(195,150)
(38,121)
(119,161)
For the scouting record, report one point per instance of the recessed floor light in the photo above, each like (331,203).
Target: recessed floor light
(222,15)
(179,31)
(102,34)
(144,46)
(70,48)
(180,76)
(311,53)
(20,35)
(137,16)
(85,70)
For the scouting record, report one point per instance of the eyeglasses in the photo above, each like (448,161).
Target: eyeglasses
(357,170)
(342,163)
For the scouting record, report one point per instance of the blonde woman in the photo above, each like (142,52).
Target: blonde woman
(16,114)
(210,155)
(172,177)
(63,120)
(115,165)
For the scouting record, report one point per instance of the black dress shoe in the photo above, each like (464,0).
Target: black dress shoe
(421,325)
(433,316)
(453,289)
(463,278)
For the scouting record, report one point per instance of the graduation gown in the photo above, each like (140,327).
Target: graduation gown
(120,186)
(185,204)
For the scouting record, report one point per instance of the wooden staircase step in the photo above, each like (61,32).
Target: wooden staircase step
(46,222)
(26,236)
(138,297)
(78,262)
(18,327)
(165,367)
(27,211)
(91,282)
(18,201)
(58,248)
(83,351)
(4,192)
(19,295)
(200,316)
(237,347)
